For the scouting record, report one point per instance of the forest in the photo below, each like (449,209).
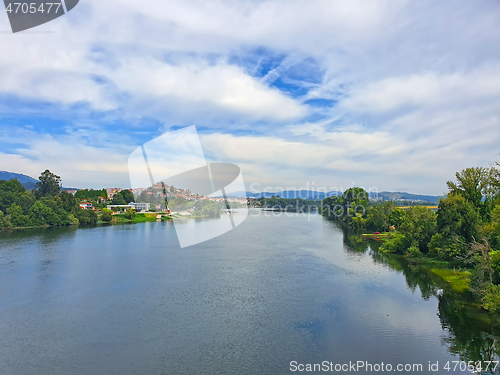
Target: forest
(464,233)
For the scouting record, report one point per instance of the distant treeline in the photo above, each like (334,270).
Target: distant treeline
(45,205)
(297,205)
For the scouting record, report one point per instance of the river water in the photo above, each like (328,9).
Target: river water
(279,288)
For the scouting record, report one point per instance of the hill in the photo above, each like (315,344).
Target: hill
(317,195)
(27,181)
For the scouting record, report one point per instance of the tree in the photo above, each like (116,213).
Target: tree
(397,217)
(118,199)
(472,184)
(68,201)
(127,196)
(419,227)
(86,217)
(16,216)
(130,213)
(48,184)
(378,216)
(4,221)
(106,215)
(41,214)
(178,203)
(353,201)
(457,217)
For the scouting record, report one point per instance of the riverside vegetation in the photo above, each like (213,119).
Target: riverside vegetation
(48,205)
(460,243)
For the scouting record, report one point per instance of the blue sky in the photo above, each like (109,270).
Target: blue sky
(386,95)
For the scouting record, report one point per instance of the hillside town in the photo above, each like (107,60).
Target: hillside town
(149,199)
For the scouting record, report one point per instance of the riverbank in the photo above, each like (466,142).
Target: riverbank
(456,276)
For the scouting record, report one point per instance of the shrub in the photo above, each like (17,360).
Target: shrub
(397,243)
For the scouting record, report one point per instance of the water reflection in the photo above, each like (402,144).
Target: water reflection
(469,332)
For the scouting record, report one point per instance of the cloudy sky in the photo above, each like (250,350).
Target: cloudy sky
(303,93)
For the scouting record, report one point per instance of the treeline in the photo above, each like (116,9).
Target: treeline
(298,205)
(465,231)
(45,205)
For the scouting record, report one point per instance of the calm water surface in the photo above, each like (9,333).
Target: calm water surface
(127,300)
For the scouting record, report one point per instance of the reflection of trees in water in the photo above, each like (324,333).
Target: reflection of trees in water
(470,333)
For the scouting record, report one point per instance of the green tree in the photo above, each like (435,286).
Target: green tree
(16,216)
(378,216)
(457,217)
(472,184)
(48,184)
(41,214)
(419,227)
(118,199)
(106,215)
(397,217)
(130,213)
(127,196)
(86,217)
(68,201)
(5,221)
(179,203)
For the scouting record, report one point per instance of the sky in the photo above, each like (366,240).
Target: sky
(394,96)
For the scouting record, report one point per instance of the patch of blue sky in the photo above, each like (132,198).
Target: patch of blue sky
(319,102)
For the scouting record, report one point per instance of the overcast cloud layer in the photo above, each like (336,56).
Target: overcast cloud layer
(391,95)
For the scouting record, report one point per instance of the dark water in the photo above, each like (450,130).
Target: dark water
(127,300)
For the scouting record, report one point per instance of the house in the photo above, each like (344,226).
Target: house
(86,206)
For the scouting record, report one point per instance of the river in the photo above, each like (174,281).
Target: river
(280,287)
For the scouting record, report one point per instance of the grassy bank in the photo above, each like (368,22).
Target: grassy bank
(138,218)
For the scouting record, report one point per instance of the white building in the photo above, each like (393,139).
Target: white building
(138,207)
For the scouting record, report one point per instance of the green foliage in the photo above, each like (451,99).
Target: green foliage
(118,199)
(491,298)
(91,194)
(17,219)
(495,265)
(179,203)
(473,184)
(13,192)
(106,215)
(4,221)
(457,217)
(127,196)
(397,217)
(295,204)
(211,210)
(49,184)
(130,213)
(446,249)
(420,226)
(396,244)
(459,280)
(344,208)
(378,216)
(414,252)
(86,217)
(68,201)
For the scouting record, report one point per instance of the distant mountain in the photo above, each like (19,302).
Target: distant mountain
(316,195)
(289,194)
(390,195)
(27,181)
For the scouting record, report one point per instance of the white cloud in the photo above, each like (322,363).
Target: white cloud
(416,98)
